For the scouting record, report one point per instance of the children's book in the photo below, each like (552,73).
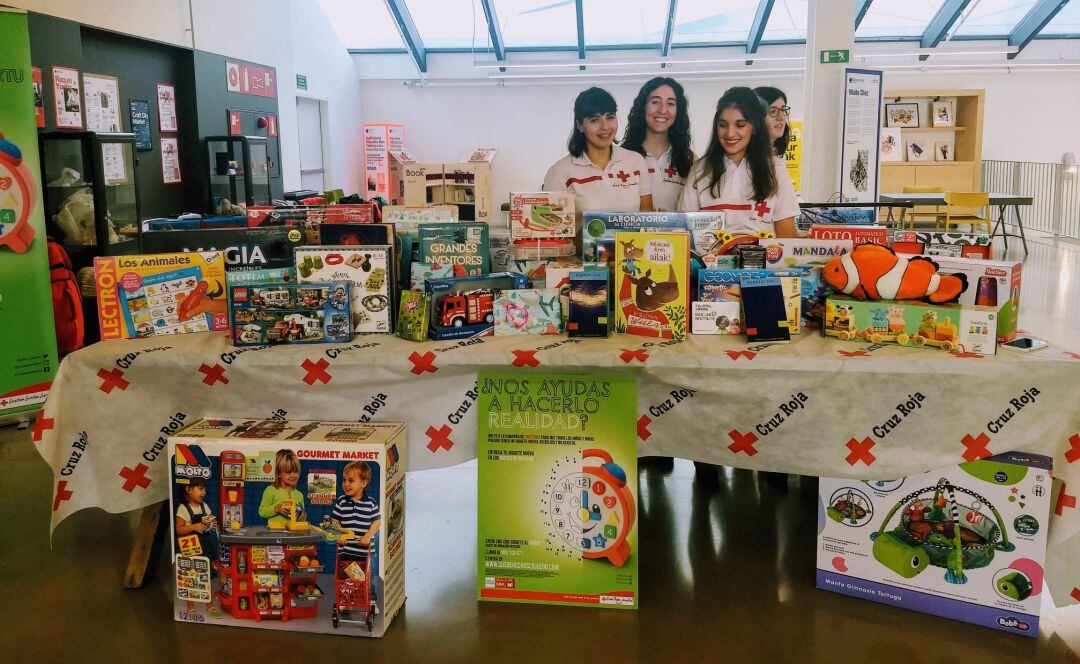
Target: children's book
(528,311)
(589,309)
(652,278)
(764,310)
(461,245)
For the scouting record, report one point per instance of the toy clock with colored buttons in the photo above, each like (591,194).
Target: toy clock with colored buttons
(589,508)
(16,198)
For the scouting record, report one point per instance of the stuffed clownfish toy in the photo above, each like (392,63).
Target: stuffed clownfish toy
(873,272)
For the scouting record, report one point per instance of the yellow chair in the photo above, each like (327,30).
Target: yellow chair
(934,215)
(955,200)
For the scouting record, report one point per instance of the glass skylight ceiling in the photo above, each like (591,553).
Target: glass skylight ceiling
(898,18)
(993,17)
(698,21)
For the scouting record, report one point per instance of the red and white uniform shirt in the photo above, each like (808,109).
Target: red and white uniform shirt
(665,182)
(742,214)
(617,188)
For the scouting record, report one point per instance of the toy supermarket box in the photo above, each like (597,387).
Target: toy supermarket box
(145,295)
(948,327)
(290,313)
(966,542)
(304,524)
(993,284)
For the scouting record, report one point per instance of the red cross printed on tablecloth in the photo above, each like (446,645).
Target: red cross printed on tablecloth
(112,379)
(964,353)
(736,354)
(41,425)
(643,427)
(422,363)
(638,354)
(853,353)
(316,371)
(742,442)
(439,438)
(860,451)
(1064,500)
(214,374)
(976,447)
(1075,594)
(525,358)
(623,177)
(135,477)
(761,208)
(1075,356)
(1073,455)
(670,171)
(62,494)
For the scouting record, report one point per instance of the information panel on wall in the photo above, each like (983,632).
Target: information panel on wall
(861,123)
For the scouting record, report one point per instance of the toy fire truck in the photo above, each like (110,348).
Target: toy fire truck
(468,308)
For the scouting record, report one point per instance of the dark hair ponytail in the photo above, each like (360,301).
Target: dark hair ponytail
(589,104)
(682,156)
(759,155)
(771,94)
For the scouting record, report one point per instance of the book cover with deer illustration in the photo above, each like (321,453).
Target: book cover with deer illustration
(652,275)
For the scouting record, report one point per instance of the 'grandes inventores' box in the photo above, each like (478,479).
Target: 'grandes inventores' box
(303,524)
(966,542)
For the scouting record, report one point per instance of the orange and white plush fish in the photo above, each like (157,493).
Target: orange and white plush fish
(873,272)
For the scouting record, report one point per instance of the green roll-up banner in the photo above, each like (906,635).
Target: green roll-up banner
(27,338)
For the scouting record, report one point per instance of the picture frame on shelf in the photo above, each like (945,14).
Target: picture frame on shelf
(903,115)
(944,151)
(943,114)
(918,150)
(891,145)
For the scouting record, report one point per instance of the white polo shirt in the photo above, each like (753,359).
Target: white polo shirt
(617,188)
(742,214)
(664,181)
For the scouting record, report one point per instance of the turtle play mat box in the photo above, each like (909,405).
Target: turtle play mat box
(948,327)
(557,513)
(965,542)
(146,295)
(287,525)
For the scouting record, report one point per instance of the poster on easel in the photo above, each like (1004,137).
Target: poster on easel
(101,95)
(170,160)
(379,141)
(793,153)
(166,104)
(67,98)
(859,136)
(28,353)
(557,489)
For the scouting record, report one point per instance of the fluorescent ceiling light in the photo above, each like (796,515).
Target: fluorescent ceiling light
(619,63)
(714,72)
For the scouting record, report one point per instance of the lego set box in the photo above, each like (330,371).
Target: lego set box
(290,313)
(292,526)
(966,542)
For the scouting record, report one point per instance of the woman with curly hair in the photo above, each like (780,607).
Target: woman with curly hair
(658,128)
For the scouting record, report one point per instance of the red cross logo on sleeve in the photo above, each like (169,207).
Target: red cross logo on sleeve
(860,451)
(670,172)
(1072,456)
(623,177)
(761,208)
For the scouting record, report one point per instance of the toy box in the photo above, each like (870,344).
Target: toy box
(589,308)
(598,229)
(290,313)
(465,185)
(528,311)
(993,284)
(945,327)
(252,255)
(652,278)
(857,234)
(461,245)
(145,295)
(957,245)
(720,317)
(784,253)
(557,277)
(421,272)
(965,542)
(414,314)
(326,555)
(725,286)
(464,307)
(542,214)
(369,272)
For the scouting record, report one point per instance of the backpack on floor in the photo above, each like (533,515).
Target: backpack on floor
(67,301)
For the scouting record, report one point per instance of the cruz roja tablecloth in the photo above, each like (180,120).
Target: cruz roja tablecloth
(814,406)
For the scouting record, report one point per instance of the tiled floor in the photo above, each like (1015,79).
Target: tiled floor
(726,568)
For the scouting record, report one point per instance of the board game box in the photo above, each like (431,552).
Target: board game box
(290,313)
(252,255)
(598,229)
(463,245)
(368,270)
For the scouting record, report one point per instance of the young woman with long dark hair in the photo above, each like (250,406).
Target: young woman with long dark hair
(738,173)
(658,128)
(603,176)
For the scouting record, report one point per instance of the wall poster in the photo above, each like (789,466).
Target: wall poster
(859,135)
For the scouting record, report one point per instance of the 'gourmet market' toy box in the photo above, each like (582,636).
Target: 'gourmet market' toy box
(145,295)
(290,313)
(991,284)
(948,327)
(302,524)
(369,273)
(966,542)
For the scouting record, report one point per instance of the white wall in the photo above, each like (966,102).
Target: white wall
(292,36)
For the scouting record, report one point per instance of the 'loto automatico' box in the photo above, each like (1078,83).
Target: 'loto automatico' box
(965,542)
(291,526)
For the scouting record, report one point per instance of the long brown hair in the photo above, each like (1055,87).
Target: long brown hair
(759,155)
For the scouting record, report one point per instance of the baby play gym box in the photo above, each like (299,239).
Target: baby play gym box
(965,542)
(293,526)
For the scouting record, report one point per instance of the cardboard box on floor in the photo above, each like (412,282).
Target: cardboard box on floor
(895,542)
(289,560)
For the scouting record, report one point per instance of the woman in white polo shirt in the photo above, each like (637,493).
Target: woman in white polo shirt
(738,173)
(603,176)
(658,128)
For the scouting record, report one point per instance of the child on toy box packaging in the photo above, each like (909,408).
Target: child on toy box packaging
(286,475)
(356,511)
(194,517)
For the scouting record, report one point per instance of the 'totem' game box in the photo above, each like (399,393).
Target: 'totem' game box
(965,542)
(291,526)
(145,295)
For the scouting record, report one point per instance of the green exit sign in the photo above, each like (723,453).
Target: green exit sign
(301,82)
(835,56)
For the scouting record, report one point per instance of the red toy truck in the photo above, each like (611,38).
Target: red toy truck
(468,308)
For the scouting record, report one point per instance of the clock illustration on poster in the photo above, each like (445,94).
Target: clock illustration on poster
(588,508)
(16,198)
